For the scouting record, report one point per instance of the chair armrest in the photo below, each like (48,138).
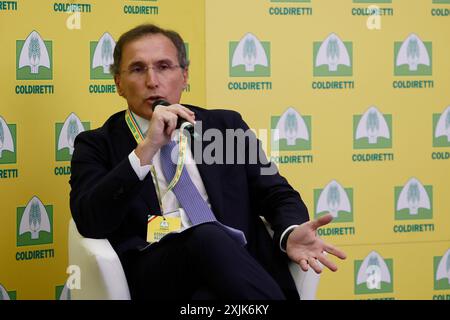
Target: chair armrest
(102,275)
(305,282)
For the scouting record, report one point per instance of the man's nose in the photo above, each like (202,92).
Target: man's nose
(151,78)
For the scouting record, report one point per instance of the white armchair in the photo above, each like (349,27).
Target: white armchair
(102,275)
(305,282)
(103,278)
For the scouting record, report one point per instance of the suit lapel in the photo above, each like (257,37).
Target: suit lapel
(127,143)
(149,196)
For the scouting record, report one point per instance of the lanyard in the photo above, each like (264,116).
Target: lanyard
(139,137)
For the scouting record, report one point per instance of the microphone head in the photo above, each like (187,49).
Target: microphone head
(160,102)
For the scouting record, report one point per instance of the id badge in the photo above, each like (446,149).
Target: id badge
(159,226)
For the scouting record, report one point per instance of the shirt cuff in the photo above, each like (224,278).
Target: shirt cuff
(141,171)
(284,235)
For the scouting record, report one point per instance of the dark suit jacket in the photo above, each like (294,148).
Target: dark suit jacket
(108,200)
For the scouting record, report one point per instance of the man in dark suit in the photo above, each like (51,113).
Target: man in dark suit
(119,186)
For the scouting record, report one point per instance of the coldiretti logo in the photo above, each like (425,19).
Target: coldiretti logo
(66,133)
(413,57)
(290,10)
(249,57)
(34,223)
(374,274)
(291,131)
(7,142)
(441,125)
(333,57)
(441,267)
(102,57)
(336,200)
(440,11)
(6,295)
(34,58)
(134,8)
(372,130)
(413,201)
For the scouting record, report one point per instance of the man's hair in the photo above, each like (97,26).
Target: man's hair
(144,30)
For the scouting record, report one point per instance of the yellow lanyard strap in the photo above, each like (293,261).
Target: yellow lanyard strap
(139,137)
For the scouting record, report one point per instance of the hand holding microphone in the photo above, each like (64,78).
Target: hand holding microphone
(181,122)
(162,124)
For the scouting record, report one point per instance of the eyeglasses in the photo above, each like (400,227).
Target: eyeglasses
(161,69)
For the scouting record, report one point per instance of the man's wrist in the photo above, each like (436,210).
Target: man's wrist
(284,237)
(145,151)
(141,171)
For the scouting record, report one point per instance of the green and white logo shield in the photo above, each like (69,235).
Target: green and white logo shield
(65,134)
(372,130)
(373,274)
(336,200)
(34,58)
(413,57)
(34,223)
(441,267)
(291,131)
(441,132)
(413,201)
(333,57)
(62,292)
(7,142)
(249,57)
(101,53)
(6,295)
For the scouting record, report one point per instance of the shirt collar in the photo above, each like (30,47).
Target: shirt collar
(142,123)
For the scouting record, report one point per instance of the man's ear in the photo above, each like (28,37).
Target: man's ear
(185,77)
(118,86)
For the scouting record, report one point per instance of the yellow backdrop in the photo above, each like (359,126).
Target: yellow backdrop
(349,97)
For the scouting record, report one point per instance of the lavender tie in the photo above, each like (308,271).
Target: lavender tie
(187,194)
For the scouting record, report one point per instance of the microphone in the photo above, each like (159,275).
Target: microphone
(189,127)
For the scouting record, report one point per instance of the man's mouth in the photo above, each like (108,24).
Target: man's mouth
(152,99)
